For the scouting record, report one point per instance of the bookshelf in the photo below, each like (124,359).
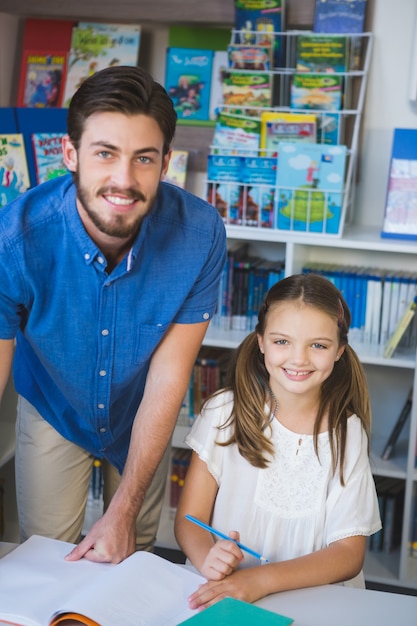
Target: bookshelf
(361,243)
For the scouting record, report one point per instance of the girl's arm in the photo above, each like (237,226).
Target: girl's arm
(340,561)
(213,559)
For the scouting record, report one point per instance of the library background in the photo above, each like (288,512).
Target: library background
(345,223)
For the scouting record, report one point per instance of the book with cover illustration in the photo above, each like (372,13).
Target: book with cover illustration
(49,162)
(220,63)
(315,91)
(247,89)
(14,175)
(339,16)
(188,81)
(43,62)
(257,21)
(249,57)
(95,46)
(279,126)
(310,183)
(326,53)
(177,168)
(236,134)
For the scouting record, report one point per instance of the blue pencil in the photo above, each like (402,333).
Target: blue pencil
(223,536)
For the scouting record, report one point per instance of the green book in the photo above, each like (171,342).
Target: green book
(230,611)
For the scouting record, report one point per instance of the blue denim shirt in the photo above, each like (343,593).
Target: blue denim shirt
(84,339)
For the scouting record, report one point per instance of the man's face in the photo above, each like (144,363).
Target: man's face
(117,168)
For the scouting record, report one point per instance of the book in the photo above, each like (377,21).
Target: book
(43,63)
(49,161)
(231,611)
(398,426)
(258,21)
(236,134)
(279,126)
(316,91)
(188,80)
(247,89)
(41,588)
(339,16)
(220,63)
(177,168)
(310,183)
(400,329)
(14,174)
(95,46)
(400,218)
(327,53)
(249,57)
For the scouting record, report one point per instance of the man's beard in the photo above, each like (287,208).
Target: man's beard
(118,227)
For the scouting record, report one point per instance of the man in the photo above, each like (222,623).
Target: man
(108,280)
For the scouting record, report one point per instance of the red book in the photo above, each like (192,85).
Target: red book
(43,64)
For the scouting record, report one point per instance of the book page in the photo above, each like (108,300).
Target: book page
(36,583)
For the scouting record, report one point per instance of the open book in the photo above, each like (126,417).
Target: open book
(39,588)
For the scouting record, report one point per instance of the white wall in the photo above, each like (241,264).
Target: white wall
(387,104)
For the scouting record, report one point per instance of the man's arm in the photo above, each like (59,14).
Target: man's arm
(112,537)
(6,358)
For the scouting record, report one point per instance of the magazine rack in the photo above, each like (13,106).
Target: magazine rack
(305,210)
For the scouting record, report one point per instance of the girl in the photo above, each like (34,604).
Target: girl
(280,456)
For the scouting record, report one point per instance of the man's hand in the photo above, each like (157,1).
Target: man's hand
(110,540)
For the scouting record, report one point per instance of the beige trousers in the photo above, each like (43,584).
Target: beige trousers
(53,478)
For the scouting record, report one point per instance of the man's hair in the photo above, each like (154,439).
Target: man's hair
(121,89)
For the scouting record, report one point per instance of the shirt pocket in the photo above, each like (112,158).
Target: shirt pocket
(148,337)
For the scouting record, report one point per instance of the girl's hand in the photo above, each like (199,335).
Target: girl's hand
(223,558)
(242,585)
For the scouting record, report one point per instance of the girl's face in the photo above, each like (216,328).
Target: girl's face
(300,346)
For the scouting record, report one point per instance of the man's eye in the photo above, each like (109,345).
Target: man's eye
(105,154)
(144,159)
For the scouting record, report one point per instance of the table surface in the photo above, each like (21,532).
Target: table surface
(332,605)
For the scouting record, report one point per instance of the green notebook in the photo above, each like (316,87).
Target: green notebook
(230,611)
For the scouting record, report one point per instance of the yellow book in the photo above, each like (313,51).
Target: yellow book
(279,126)
(399,331)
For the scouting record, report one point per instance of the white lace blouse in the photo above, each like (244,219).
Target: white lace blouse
(295,506)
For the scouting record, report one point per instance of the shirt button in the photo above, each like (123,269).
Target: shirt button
(100,259)
(87,256)
(103,373)
(103,430)
(206,316)
(104,332)
(100,405)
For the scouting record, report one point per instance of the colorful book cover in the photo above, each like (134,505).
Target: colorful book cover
(257,21)
(49,162)
(310,185)
(339,16)
(236,134)
(95,46)
(177,168)
(221,167)
(329,127)
(14,175)
(247,89)
(314,53)
(249,57)
(188,81)
(314,91)
(43,79)
(280,126)
(400,219)
(220,63)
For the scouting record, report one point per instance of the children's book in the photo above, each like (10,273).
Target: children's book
(339,16)
(40,588)
(220,63)
(188,81)
(257,21)
(95,46)
(315,91)
(177,168)
(249,57)
(247,89)
(327,53)
(231,611)
(310,185)
(14,175)
(43,63)
(400,219)
(236,134)
(49,162)
(280,126)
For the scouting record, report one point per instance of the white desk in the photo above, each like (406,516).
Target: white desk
(332,605)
